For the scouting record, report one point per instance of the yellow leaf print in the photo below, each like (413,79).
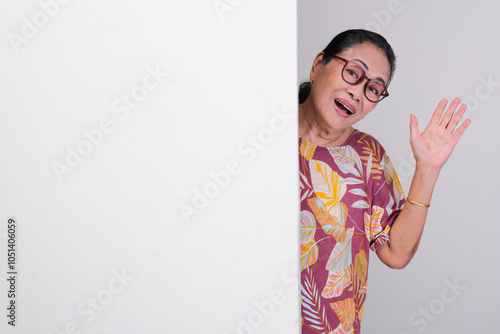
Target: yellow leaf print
(361,266)
(371,158)
(391,176)
(336,283)
(345,310)
(334,226)
(307,226)
(341,256)
(326,184)
(307,149)
(367,225)
(308,254)
(340,330)
(375,227)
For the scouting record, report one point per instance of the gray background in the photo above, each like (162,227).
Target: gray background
(443,49)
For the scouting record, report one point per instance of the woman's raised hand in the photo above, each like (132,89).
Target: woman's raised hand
(434,145)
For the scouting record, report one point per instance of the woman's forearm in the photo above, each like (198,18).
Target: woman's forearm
(407,229)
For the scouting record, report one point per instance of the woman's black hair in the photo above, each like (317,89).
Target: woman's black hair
(346,40)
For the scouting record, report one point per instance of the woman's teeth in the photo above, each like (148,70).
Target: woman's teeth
(349,111)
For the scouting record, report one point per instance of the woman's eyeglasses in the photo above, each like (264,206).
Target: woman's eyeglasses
(353,74)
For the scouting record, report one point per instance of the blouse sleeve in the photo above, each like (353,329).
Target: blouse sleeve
(387,201)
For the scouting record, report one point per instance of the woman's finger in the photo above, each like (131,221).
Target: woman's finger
(457,117)
(461,129)
(414,126)
(436,117)
(449,112)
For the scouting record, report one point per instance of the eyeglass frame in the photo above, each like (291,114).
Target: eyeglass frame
(384,94)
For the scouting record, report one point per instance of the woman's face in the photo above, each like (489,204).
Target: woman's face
(331,96)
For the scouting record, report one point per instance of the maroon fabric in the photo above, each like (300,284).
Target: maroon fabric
(350,196)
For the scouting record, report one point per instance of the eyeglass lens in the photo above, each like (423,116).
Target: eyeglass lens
(354,74)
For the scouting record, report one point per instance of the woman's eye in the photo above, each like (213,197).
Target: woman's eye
(374,90)
(352,73)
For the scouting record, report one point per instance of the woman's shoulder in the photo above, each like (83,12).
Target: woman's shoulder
(361,137)
(363,141)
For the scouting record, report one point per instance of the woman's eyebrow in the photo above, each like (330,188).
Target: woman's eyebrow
(366,66)
(381,80)
(362,62)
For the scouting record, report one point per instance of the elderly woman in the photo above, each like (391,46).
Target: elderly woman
(351,198)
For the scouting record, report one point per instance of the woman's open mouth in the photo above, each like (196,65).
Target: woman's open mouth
(344,107)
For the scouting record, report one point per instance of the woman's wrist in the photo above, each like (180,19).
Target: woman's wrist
(427,173)
(423,183)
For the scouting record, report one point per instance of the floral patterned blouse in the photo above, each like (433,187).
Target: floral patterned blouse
(350,196)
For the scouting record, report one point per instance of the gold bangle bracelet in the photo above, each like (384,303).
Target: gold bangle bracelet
(417,203)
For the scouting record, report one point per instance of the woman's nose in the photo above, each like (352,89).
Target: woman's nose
(356,91)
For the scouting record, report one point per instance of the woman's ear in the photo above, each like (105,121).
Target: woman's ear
(316,66)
